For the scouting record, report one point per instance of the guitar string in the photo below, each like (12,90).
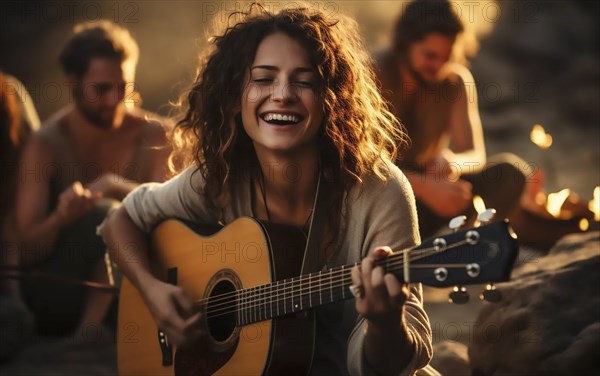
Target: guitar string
(315,276)
(265,297)
(290,286)
(259,305)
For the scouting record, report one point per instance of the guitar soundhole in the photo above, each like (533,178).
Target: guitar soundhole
(221,311)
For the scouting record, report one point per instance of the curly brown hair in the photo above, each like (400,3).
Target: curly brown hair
(358,133)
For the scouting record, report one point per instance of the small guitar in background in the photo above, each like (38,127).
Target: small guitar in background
(256,308)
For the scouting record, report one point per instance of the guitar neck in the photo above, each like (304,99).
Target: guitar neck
(462,258)
(316,289)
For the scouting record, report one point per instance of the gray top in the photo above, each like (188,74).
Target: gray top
(379,214)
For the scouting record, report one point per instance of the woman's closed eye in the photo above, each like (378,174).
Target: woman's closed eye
(309,84)
(262,80)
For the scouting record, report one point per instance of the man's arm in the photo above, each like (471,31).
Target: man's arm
(113,186)
(37,228)
(467,147)
(444,195)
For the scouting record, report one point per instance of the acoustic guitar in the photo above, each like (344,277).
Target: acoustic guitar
(256,307)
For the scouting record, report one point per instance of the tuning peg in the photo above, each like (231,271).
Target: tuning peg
(491,294)
(486,215)
(457,222)
(459,295)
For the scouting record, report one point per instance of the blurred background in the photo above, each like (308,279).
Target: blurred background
(533,63)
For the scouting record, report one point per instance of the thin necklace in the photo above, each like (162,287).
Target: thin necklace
(263,191)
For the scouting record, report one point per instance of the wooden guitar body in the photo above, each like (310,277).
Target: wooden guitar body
(246,253)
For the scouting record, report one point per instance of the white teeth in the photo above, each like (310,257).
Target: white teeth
(271,116)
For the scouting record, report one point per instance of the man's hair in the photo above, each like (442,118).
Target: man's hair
(422,17)
(102,39)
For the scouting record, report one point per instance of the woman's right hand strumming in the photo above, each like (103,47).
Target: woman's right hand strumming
(173,312)
(170,307)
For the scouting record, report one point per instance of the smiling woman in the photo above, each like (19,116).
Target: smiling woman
(282,102)
(281,112)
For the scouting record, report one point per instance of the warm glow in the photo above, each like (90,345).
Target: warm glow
(584,224)
(129,103)
(540,198)
(478,204)
(539,137)
(556,200)
(594,204)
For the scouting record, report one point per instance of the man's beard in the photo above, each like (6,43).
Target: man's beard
(416,75)
(95,116)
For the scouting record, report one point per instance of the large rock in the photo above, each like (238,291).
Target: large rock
(548,322)
(450,358)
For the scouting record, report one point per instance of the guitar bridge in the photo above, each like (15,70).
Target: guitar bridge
(166,348)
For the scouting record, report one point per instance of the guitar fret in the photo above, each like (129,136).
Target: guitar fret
(253,306)
(249,305)
(263,302)
(276,297)
(260,303)
(300,291)
(320,296)
(237,306)
(309,290)
(291,295)
(292,304)
(284,298)
(343,289)
(271,300)
(241,307)
(257,304)
(331,284)
(244,313)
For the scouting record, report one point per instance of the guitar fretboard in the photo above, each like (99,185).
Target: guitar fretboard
(292,295)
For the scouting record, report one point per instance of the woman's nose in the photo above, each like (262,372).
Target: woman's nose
(283,91)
